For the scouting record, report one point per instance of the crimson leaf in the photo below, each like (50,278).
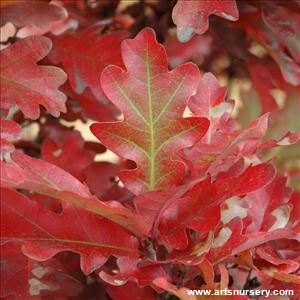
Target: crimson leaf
(152,100)
(26,84)
(44,233)
(192,16)
(42,177)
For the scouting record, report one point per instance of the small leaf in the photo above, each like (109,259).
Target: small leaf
(26,84)
(192,16)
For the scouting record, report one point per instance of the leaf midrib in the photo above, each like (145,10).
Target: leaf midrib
(54,238)
(58,240)
(151,124)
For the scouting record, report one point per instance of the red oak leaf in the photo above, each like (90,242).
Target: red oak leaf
(44,233)
(152,100)
(38,14)
(223,145)
(55,131)
(26,84)
(192,16)
(10,131)
(85,54)
(44,178)
(203,203)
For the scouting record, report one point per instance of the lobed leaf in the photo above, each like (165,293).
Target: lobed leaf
(28,85)
(153,101)
(192,16)
(44,178)
(44,233)
(203,201)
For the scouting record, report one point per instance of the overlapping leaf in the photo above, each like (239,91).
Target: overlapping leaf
(38,14)
(27,85)
(42,177)
(152,100)
(192,16)
(44,233)
(203,203)
(223,144)
(85,54)
(276,37)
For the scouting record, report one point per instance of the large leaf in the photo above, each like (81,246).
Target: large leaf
(44,178)
(153,101)
(44,233)
(192,16)
(26,84)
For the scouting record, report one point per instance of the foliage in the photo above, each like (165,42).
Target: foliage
(180,187)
